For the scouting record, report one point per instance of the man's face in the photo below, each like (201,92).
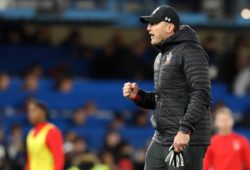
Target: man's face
(159,32)
(224,122)
(35,114)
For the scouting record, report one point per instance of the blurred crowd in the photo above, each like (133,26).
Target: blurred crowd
(115,153)
(226,7)
(110,61)
(231,66)
(117,60)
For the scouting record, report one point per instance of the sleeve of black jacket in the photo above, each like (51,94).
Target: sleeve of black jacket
(195,66)
(146,99)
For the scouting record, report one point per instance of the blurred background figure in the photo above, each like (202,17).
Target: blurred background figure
(140,119)
(4,82)
(69,139)
(36,70)
(113,143)
(64,85)
(228,150)
(79,118)
(118,122)
(211,46)
(15,147)
(44,142)
(107,158)
(4,163)
(31,83)
(90,108)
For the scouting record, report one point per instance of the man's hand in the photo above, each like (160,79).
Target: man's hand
(130,90)
(181,141)
(174,159)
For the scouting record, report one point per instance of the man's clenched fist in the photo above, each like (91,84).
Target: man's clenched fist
(130,90)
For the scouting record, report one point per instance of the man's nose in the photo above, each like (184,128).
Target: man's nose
(149,27)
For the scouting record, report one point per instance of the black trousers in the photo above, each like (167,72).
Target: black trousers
(157,153)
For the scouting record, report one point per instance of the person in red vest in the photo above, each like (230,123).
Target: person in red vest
(228,150)
(44,142)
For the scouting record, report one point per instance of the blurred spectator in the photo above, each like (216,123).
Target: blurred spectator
(105,63)
(145,54)
(108,159)
(139,159)
(129,60)
(69,139)
(80,146)
(242,82)
(227,145)
(44,142)
(232,61)
(28,35)
(113,143)
(118,122)
(125,157)
(125,164)
(86,161)
(73,40)
(75,44)
(43,36)
(125,58)
(140,118)
(211,46)
(3,152)
(81,157)
(59,71)
(90,108)
(36,70)
(79,118)
(15,147)
(243,54)
(114,60)
(4,82)
(65,85)
(31,83)
(13,36)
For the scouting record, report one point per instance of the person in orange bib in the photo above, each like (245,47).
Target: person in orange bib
(44,142)
(228,150)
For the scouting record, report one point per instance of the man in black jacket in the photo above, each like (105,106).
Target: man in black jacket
(181,99)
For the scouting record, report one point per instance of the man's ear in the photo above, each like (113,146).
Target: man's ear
(170,28)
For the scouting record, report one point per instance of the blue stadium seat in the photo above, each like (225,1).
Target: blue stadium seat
(219,92)
(238,104)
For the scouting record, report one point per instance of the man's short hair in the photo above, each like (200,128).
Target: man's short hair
(41,105)
(223,110)
(176,28)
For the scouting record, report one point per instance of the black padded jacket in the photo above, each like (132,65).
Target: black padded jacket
(182,98)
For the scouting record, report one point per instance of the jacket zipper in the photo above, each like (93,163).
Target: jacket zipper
(157,89)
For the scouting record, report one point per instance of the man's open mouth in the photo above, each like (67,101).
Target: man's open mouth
(151,35)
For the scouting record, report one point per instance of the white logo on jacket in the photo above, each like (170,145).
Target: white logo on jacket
(168,57)
(236,145)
